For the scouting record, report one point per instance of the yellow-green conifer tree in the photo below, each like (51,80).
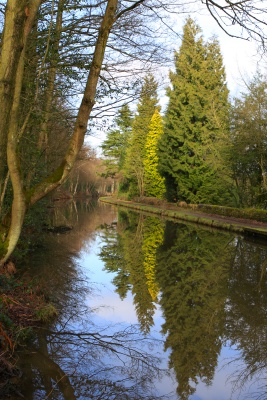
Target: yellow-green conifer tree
(154,183)
(152,239)
(135,154)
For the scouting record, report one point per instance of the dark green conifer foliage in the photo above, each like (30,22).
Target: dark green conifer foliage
(191,272)
(196,123)
(136,150)
(114,147)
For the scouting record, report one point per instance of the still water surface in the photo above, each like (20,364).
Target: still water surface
(148,309)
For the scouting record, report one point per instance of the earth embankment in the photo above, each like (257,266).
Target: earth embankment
(172,210)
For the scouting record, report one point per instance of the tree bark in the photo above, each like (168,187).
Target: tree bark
(19,19)
(21,199)
(76,142)
(43,138)
(12,47)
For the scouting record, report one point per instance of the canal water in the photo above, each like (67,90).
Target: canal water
(148,309)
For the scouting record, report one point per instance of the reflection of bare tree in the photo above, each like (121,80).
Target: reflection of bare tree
(74,358)
(101,363)
(247,375)
(83,218)
(54,263)
(43,363)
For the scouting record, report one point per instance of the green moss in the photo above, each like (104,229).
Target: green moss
(3,247)
(5,320)
(24,334)
(57,174)
(53,178)
(46,313)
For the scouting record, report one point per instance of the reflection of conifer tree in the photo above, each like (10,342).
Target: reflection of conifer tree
(123,254)
(112,254)
(246,325)
(153,237)
(191,275)
(133,241)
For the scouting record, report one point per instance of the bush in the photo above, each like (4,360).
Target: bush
(153,201)
(247,213)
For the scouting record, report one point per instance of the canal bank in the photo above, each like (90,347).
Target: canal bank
(148,308)
(192,213)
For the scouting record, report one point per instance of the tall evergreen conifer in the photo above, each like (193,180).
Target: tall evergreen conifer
(136,150)
(154,183)
(114,147)
(196,124)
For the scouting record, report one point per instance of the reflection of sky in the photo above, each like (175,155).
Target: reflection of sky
(105,295)
(111,309)
(114,309)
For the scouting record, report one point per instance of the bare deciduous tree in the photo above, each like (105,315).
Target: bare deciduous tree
(118,37)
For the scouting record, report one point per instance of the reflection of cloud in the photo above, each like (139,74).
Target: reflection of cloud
(108,305)
(111,308)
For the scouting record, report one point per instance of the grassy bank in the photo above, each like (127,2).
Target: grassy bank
(250,222)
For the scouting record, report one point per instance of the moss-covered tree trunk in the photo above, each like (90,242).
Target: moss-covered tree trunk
(19,19)
(18,22)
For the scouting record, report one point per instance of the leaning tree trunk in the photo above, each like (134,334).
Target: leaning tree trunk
(43,137)
(21,199)
(19,19)
(59,175)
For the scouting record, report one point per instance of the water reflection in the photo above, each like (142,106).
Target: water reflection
(246,318)
(206,289)
(132,255)
(212,290)
(91,364)
(75,358)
